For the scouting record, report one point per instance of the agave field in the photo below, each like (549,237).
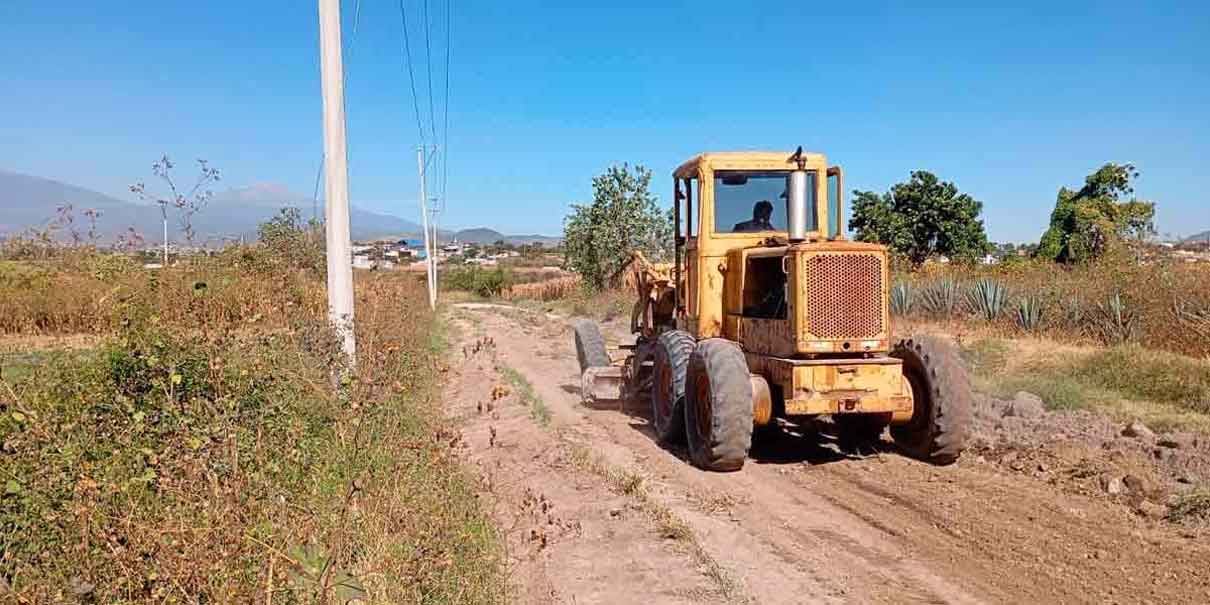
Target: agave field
(1163,305)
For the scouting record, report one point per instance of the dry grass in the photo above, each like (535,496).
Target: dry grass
(546,290)
(196,448)
(98,293)
(538,409)
(1165,390)
(1192,508)
(602,305)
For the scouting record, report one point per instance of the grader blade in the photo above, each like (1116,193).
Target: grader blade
(603,383)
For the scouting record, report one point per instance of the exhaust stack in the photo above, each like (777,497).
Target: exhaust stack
(796,199)
(796,206)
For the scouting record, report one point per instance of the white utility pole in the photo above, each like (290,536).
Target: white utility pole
(430,248)
(336,171)
(436,243)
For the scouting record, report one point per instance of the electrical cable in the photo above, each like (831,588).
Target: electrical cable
(407,49)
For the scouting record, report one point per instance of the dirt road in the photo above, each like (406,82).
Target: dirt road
(593,510)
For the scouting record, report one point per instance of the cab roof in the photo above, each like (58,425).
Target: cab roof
(744,160)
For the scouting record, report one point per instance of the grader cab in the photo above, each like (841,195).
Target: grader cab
(770,313)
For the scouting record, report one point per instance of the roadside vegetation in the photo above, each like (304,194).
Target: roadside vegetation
(509,283)
(529,398)
(1166,391)
(201,444)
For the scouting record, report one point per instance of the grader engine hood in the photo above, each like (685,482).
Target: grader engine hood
(841,292)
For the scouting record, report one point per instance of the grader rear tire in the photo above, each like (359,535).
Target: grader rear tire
(590,345)
(672,351)
(718,406)
(941,419)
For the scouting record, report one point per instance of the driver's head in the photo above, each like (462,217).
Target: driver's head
(762,210)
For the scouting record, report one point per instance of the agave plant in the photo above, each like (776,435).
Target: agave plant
(1029,313)
(903,297)
(941,298)
(1072,312)
(1114,321)
(988,298)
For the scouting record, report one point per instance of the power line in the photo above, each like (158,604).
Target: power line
(428,65)
(315,198)
(445,128)
(407,49)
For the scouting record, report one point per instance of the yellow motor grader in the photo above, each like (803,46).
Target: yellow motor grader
(769,312)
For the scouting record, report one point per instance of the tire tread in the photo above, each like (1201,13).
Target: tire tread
(727,447)
(942,438)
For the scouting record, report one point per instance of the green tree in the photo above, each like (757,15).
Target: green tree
(921,218)
(1087,223)
(622,217)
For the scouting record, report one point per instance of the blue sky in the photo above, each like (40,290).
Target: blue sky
(1010,102)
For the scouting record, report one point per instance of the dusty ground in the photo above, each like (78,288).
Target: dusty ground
(593,510)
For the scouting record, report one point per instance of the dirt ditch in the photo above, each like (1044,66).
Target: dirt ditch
(1045,507)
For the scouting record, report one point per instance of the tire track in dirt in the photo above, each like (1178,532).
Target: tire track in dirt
(800,523)
(569,538)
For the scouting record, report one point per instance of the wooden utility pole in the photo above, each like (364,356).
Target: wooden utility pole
(336,172)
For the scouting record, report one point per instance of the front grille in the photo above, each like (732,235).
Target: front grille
(844,295)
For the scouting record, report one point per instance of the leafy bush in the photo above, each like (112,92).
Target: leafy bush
(484,282)
(285,242)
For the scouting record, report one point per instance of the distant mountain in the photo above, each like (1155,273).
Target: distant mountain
(30,201)
(1204,236)
(252,205)
(489,236)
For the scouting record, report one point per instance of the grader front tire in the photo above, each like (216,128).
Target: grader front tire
(718,406)
(941,391)
(672,351)
(590,345)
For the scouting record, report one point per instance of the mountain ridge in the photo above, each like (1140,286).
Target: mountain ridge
(1204,236)
(29,201)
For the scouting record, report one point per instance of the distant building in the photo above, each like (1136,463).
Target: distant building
(362,261)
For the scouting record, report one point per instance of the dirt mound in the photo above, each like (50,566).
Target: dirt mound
(1088,453)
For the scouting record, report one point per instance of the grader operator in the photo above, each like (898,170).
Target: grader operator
(772,314)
